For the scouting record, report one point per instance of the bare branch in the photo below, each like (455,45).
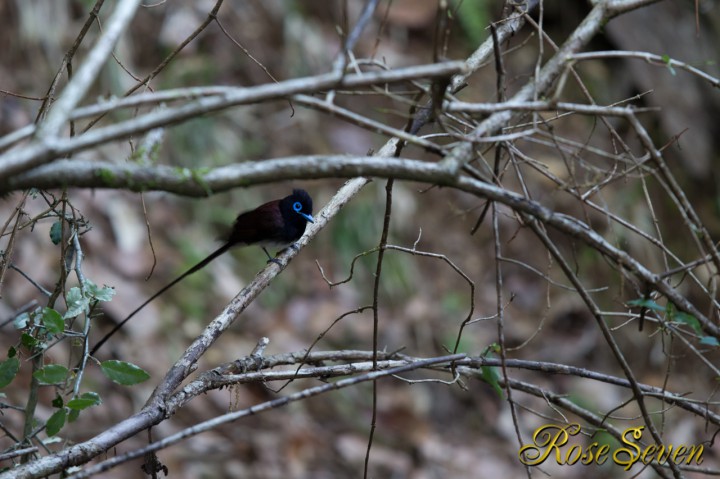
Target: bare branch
(87,73)
(36,153)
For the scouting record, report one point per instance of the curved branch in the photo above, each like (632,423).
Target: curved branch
(88,72)
(373,375)
(194,183)
(39,152)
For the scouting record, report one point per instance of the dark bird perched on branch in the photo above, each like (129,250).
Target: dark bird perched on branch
(278,223)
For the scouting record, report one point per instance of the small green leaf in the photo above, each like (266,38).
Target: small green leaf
(74,414)
(8,370)
(56,422)
(101,294)
(21,321)
(492,377)
(84,401)
(56,232)
(51,374)
(76,303)
(647,303)
(28,341)
(490,349)
(690,320)
(12,352)
(709,340)
(58,402)
(52,321)
(123,373)
(668,62)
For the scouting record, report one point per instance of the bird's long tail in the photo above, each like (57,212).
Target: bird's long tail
(192,270)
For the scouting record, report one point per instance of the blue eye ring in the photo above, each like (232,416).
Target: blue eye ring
(297,206)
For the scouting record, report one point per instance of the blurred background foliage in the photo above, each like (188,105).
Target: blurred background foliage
(424,431)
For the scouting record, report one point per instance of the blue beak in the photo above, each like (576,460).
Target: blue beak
(307,217)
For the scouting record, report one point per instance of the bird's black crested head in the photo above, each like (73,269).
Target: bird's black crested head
(297,208)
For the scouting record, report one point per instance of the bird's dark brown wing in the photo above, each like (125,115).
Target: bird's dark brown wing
(264,224)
